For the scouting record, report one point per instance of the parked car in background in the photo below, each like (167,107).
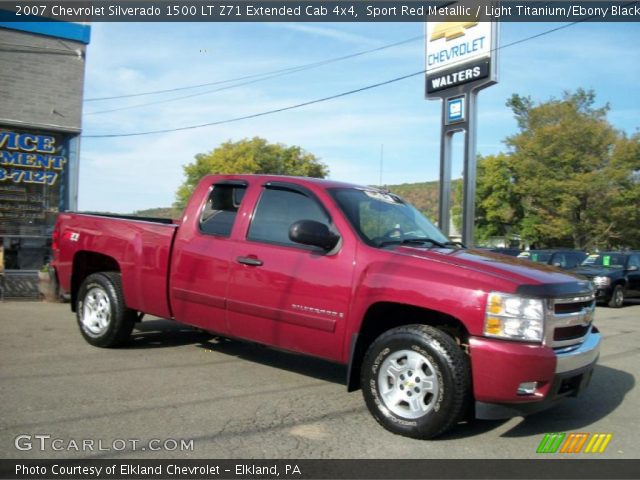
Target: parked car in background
(615,276)
(558,258)
(509,251)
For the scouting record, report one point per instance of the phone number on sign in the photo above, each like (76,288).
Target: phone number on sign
(17,175)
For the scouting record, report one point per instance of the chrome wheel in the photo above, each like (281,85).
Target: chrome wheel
(617,297)
(96,312)
(408,384)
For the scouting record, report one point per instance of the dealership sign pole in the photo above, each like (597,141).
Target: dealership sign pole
(461,59)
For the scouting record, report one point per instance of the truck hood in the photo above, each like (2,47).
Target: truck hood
(534,277)
(595,271)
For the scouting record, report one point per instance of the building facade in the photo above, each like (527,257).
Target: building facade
(42,66)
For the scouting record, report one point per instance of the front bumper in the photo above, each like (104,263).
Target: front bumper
(499,367)
(603,294)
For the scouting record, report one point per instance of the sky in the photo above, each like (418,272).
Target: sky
(393,125)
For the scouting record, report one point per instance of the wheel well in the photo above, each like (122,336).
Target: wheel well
(384,316)
(84,264)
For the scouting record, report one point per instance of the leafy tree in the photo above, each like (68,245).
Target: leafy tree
(499,210)
(254,155)
(569,177)
(624,213)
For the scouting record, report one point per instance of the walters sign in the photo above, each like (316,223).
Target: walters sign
(458,53)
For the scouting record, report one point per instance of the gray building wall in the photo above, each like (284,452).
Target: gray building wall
(41,91)
(41,81)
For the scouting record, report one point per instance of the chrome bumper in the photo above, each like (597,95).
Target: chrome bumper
(586,354)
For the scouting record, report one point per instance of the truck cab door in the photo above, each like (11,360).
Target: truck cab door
(286,294)
(633,274)
(201,259)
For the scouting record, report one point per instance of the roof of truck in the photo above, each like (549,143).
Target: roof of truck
(321,182)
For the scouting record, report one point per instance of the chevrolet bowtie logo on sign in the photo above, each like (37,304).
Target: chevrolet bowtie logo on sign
(458,53)
(450,30)
(574,443)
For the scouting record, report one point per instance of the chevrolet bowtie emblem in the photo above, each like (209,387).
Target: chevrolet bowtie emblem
(450,30)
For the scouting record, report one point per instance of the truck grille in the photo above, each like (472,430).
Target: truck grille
(562,308)
(569,321)
(570,333)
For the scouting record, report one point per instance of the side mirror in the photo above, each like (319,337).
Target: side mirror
(310,232)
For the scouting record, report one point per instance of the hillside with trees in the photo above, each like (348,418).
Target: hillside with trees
(568,177)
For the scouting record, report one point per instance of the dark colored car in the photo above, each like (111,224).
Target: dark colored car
(511,252)
(564,259)
(615,275)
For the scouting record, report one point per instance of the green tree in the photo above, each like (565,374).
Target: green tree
(499,210)
(624,215)
(569,179)
(254,155)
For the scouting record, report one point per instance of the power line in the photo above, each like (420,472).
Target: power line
(319,100)
(261,114)
(267,75)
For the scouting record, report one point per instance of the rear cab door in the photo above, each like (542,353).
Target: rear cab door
(202,253)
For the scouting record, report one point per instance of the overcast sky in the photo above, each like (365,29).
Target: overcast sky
(124,174)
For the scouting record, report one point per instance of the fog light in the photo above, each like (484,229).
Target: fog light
(527,388)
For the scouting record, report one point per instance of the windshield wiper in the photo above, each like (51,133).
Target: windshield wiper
(407,241)
(456,244)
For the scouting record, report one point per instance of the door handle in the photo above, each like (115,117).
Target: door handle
(252,261)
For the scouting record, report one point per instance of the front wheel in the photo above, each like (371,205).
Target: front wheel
(415,381)
(617,297)
(103,317)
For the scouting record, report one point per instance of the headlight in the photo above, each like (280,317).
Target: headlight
(513,317)
(601,281)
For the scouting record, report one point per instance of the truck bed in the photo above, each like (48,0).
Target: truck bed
(140,246)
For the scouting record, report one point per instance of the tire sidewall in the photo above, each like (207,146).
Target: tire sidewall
(614,297)
(103,283)
(432,422)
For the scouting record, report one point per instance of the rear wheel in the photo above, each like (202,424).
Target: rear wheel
(103,317)
(617,297)
(415,381)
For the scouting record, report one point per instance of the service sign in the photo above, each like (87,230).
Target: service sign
(32,166)
(458,53)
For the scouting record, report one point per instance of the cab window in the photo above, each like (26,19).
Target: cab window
(220,211)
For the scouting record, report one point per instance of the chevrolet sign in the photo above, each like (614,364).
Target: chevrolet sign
(457,53)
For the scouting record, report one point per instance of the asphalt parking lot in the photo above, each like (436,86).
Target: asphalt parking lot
(230,399)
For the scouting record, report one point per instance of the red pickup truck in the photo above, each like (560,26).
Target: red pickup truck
(351,274)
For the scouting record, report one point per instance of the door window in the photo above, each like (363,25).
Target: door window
(277,210)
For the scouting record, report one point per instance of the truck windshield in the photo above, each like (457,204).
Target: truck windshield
(540,257)
(382,218)
(613,260)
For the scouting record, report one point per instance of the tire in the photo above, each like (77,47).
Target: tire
(103,317)
(617,297)
(395,371)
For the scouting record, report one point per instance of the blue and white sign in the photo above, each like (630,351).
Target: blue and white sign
(455,110)
(450,44)
(459,53)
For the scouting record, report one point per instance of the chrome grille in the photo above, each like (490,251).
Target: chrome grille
(568,321)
